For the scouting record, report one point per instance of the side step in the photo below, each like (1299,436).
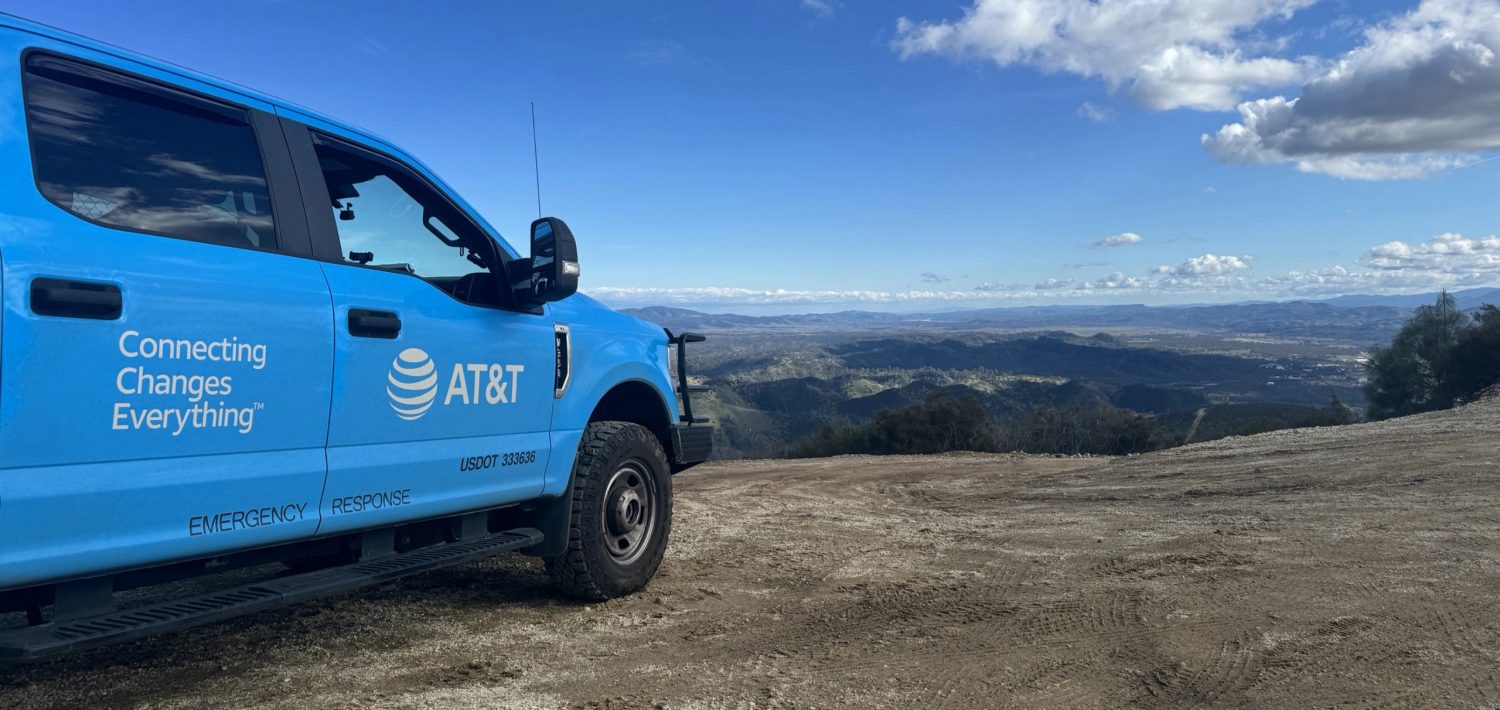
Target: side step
(55,638)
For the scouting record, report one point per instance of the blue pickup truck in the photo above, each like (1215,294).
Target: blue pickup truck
(236,333)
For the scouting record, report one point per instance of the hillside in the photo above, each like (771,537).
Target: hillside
(1347,566)
(768,392)
(1355,318)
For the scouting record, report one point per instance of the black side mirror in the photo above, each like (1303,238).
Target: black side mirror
(554,261)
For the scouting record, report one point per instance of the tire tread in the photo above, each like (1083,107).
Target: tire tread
(572,570)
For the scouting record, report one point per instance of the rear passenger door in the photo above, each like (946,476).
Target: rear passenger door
(166,355)
(443,390)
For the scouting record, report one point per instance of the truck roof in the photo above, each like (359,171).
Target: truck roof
(20,23)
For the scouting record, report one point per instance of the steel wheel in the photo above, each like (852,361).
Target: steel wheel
(619,516)
(629,518)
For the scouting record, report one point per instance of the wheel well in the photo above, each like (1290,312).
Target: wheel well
(638,403)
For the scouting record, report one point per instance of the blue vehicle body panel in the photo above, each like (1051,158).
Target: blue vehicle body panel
(474,383)
(100,474)
(609,349)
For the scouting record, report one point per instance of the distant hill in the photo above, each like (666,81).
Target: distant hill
(1467,299)
(1362,324)
(1357,318)
(1246,366)
(771,396)
(1089,360)
(686,319)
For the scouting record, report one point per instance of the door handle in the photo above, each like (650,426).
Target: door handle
(65,298)
(365,323)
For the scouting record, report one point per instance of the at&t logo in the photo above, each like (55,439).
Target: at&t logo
(413,384)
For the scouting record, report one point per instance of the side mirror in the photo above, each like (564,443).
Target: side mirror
(554,261)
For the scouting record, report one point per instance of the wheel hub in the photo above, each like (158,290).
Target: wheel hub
(629,506)
(626,512)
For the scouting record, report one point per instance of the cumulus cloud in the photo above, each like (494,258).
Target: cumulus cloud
(1123,239)
(1165,53)
(930,278)
(1420,95)
(1451,261)
(1450,255)
(1116,280)
(1208,265)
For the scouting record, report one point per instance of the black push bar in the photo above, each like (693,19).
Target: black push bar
(683,388)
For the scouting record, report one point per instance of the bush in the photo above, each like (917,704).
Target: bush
(1097,429)
(1336,414)
(1474,364)
(1441,357)
(950,423)
(942,423)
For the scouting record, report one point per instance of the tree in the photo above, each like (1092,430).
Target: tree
(1335,414)
(1084,429)
(1474,362)
(943,422)
(1411,375)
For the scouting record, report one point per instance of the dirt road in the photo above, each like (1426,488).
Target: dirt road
(1354,567)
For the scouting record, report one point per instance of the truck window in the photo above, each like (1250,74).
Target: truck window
(124,153)
(389,219)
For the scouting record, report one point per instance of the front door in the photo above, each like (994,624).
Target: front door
(442,395)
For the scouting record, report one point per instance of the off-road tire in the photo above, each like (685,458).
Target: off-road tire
(587,569)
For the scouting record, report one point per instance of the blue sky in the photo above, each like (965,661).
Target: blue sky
(799,155)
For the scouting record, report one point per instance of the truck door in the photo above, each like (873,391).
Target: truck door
(442,392)
(167,354)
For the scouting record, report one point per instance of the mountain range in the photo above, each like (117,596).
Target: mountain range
(1365,319)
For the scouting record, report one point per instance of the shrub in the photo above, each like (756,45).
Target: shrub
(1475,361)
(943,422)
(1096,429)
(1441,357)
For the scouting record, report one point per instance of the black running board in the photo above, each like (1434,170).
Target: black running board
(56,638)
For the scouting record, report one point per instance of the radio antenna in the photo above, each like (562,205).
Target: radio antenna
(536,162)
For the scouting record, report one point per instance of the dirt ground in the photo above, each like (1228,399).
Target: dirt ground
(1350,567)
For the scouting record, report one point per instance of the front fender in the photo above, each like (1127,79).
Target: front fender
(608,349)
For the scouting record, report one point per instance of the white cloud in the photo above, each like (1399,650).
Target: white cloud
(931,278)
(1116,280)
(1419,96)
(1165,53)
(821,8)
(1123,239)
(1452,258)
(747,296)
(1097,114)
(1209,265)
(1450,261)
(987,286)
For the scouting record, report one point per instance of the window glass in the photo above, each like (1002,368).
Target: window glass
(121,152)
(390,220)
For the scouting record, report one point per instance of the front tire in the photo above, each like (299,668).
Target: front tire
(622,513)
